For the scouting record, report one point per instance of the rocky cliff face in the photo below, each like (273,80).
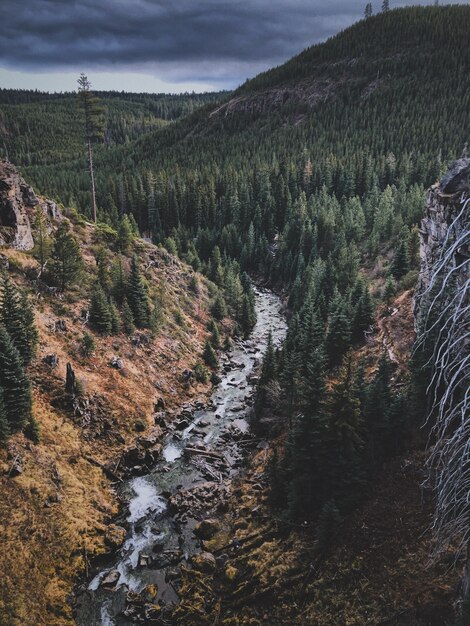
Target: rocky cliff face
(446,219)
(18,203)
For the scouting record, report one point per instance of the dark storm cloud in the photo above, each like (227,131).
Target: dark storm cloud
(197,39)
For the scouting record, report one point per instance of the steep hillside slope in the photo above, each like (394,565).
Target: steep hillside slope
(395,83)
(56,495)
(38,128)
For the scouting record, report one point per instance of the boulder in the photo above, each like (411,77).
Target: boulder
(159,405)
(207,529)
(457,179)
(111,579)
(52,360)
(204,562)
(117,363)
(115,536)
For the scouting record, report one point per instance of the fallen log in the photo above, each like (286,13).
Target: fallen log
(206,453)
(109,473)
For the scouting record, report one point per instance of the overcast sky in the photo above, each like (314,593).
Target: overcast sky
(161,45)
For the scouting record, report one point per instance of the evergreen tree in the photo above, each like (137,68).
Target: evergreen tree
(338,337)
(209,355)
(137,297)
(368,10)
(42,241)
(218,308)
(16,314)
(345,443)
(215,334)
(94,129)
(118,281)
(390,290)
(377,406)
(400,263)
(88,345)
(67,264)
(115,318)
(363,316)
(102,264)
(100,314)
(15,384)
(127,318)
(4,425)
(385,6)
(247,316)
(125,235)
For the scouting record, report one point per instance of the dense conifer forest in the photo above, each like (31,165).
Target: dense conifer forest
(310,178)
(309,175)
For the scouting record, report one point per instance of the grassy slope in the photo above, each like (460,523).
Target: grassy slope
(59,506)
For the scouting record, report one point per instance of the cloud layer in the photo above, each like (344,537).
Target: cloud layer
(218,42)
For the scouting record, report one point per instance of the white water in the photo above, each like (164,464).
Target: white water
(145,501)
(148,522)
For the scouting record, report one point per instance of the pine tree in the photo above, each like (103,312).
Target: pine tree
(390,290)
(215,334)
(16,314)
(345,443)
(377,406)
(67,264)
(94,129)
(4,426)
(218,308)
(15,384)
(338,337)
(137,296)
(87,344)
(100,314)
(209,355)
(368,10)
(400,263)
(363,316)
(115,318)
(247,316)
(42,241)
(118,281)
(385,6)
(125,235)
(102,264)
(127,318)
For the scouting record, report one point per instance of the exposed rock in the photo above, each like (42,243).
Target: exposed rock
(159,405)
(117,363)
(115,536)
(207,529)
(160,419)
(442,210)
(70,381)
(111,579)
(52,360)
(457,178)
(140,339)
(17,207)
(204,562)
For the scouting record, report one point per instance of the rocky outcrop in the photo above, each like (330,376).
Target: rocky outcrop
(447,217)
(18,204)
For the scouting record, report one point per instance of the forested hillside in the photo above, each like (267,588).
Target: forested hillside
(38,128)
(310,178)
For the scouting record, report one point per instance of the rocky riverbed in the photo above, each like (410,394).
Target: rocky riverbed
(174,508)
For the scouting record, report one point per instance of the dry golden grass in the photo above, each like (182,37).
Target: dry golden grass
(57,509)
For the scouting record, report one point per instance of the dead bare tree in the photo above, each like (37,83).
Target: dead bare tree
(444,331)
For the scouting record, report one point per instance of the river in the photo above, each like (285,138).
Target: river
(164,506)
